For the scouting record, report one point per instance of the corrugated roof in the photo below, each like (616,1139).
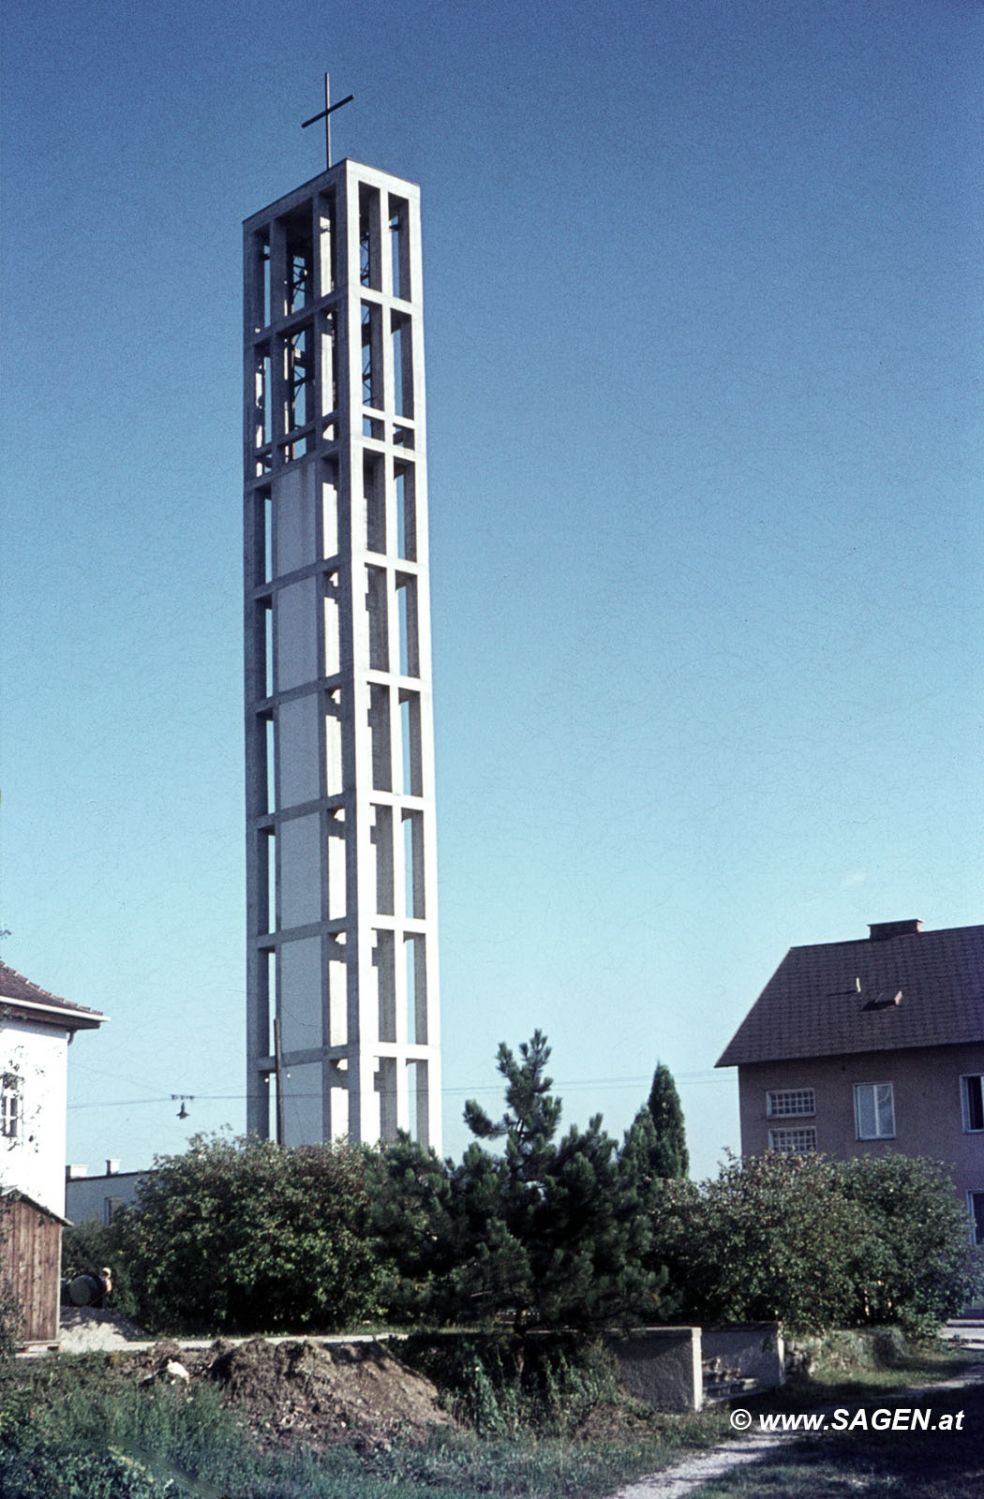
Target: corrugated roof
(811,1006)
(15,987)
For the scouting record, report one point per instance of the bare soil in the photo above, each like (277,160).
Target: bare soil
(357,1393)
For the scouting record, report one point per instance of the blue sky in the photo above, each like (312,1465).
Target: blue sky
(704,329)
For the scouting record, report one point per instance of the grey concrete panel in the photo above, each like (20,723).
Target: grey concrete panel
(295,542)
(296,634)
(661,1365)
(300,987)
(741,1354)
(300,871)
(303,1103)
(298,763)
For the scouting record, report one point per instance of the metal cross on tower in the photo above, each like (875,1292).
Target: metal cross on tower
(326,114)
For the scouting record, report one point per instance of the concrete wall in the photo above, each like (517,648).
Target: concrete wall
(662,1366)
(750,1354)
(34,1161)
(928,1108)
(677,1368)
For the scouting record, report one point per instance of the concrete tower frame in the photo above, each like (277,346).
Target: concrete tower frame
(341,848)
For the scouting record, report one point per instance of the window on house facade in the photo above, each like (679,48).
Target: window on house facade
(874,1111)
(972,1089)
(791,1103)
(975,1201)
(11,1105)
(793,1141)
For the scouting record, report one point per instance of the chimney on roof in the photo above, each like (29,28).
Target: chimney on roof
(880,931)
(112,1167)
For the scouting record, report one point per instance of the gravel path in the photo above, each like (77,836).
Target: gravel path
(683,1478)
(87,1329)
(692,1473)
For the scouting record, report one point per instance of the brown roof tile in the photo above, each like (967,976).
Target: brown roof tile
(14,986)
(812,1008)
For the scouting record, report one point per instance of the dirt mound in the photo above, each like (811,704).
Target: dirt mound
(321,1393)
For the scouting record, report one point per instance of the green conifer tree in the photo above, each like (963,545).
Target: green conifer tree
(552,1232)
(670,1158)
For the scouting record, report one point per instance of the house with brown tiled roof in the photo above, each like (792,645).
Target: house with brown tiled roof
(869,1046)
(36,1028)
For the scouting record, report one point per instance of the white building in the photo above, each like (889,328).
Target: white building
(98,1197)
(341,866)
(35,1030)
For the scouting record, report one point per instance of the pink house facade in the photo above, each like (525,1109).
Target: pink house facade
(858,1048)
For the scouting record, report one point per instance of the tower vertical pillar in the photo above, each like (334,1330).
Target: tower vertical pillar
(341,847)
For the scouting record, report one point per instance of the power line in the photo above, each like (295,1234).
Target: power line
(689,1079)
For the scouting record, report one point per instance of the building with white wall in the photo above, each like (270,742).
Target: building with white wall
(341,849)
(98,1197)
(35,1031)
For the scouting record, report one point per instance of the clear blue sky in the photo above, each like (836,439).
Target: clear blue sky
(704,323)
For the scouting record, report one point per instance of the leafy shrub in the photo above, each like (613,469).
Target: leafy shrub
(817,1243)
(915,1267)
(241,1235)
(10,1319)
(771,1237)
(409,1220)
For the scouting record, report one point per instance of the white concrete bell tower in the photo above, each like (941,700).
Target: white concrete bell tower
(341,851)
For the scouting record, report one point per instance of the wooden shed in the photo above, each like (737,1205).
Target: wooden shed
(30,1260)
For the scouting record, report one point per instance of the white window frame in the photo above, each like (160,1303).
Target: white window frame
(779,1140)
(965,1081)
(878,1134)
(11,1105)
(974,1192)
(773,1105)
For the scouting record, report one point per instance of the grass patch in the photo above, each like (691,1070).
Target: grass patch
(868,1464)
(846,1370)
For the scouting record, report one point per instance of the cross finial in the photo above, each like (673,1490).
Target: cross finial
(326,114)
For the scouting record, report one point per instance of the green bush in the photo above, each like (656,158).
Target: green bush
(916,1265)
(10,1319)
(243,1236)
(817,1243)
(409,1221)
(770,1238)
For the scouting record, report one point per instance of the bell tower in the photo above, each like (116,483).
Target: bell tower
(342,988)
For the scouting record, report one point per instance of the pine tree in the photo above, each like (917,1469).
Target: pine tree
(553,1233)
(669,1158)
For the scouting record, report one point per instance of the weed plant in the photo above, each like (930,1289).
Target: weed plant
(84,1430)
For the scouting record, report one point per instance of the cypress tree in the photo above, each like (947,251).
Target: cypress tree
(669,1158)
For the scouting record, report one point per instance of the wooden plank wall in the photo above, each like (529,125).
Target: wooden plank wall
(30,1258)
